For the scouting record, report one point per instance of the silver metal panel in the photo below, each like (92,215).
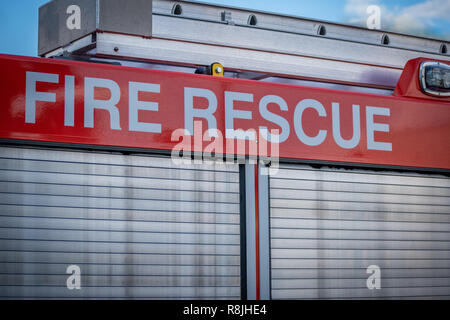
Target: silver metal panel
(113,260)
(328,225)
(125,215)
(132,17)
(278,45)
(264,231)
(137,226)
(360,265)
(290,235)
(250,225)
(105,269)
(287,23)
(337,273)
(236,58)
(53,31)
(270,40)
(436,292)
(129,291)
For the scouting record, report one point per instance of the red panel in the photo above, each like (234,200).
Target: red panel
(409,86)
(419,129)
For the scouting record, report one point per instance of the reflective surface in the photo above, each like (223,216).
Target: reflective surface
(137,226)
(329,225)
(435,78)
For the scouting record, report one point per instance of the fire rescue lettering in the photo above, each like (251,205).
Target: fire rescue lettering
(293,126)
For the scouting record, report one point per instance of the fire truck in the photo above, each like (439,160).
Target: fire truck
(182,150)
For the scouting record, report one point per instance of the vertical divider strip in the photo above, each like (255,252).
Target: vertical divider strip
(250,230)
(264,234)
(257,248)
(243,231)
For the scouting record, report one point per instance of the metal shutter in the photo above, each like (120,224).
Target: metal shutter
(137,226)
(328,225)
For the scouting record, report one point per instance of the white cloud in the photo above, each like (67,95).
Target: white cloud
(407,23)
(430,9)
(417,18)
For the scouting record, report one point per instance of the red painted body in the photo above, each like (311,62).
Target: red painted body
(419,126)
(409,85)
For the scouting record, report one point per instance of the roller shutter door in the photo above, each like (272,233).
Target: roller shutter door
(137,226)
(328,225)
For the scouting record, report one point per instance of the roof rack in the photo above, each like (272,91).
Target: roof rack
(189,34)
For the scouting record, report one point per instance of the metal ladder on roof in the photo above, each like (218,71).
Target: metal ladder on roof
(182,35)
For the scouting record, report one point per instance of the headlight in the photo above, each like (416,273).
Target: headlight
(435,78)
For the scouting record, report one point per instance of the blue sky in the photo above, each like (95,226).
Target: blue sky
(19,18)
